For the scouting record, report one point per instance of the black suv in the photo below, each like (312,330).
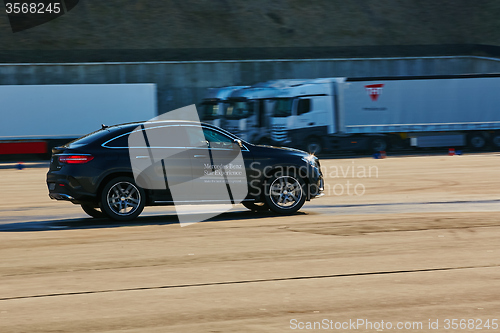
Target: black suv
(97,171)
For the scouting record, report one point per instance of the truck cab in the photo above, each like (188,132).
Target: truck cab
(211,109)
(302,115)
(247,113)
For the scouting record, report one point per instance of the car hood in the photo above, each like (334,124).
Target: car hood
(280,150)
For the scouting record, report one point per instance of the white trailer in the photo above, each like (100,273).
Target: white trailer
(372,113)
(40,113)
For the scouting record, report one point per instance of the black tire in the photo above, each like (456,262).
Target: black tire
(378,144)
(314,145)
(92,211)
(256,206)
(495,140)
(285,193)
(476,141)
(122,200)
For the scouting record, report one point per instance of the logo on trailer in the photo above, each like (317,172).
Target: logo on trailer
(374,90)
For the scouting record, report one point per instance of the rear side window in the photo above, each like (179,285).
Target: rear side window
(118,142)
(89,138)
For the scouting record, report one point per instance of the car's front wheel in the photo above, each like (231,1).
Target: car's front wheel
(285,193)
(122,199)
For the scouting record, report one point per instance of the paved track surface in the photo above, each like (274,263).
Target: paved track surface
(419,244)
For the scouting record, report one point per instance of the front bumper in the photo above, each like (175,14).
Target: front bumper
(316,189)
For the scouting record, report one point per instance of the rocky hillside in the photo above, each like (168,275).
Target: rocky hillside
(239,24)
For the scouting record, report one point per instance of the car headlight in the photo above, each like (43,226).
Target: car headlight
(311,160)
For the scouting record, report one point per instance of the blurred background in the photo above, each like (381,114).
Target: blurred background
(140,31)
(185,47)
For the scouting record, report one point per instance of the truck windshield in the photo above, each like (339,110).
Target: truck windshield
(209,110)
(238,110)
(283,107)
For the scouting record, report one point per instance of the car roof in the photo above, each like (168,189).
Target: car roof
(161,122)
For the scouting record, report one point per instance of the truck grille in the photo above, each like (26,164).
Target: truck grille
(278,133)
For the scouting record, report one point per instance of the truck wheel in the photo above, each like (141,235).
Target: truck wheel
(284,193)
(122,199)
(314,145)
(256,206)
(477,141)
(92,211)
(495,140)
(378,144)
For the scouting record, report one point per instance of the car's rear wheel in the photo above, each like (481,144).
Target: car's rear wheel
(122,199)
(92,211)
(256,206)
(285,193)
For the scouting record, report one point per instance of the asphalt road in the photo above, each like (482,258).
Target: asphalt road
(405,241)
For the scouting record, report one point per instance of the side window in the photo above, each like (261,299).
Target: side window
(167,136)
(213,136)
(304,106)
(196,137)
(218,140)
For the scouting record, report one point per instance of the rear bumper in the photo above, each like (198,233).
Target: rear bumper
(67,188)
(61,196)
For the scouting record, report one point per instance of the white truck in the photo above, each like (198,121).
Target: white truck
(37,117)
(211,109)
(248,111)
(373,113)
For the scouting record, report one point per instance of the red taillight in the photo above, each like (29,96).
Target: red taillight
(75,159)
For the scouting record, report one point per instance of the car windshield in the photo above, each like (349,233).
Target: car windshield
(283,107)
(209,110)
(238,110)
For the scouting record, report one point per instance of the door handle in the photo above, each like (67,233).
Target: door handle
(199,156)
(310,124)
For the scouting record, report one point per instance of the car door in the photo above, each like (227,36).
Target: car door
(218,165)
(161,161)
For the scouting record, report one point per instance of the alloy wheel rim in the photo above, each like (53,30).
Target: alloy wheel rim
(286,192)
(123,198)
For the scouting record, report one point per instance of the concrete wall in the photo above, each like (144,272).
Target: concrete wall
(183,83)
